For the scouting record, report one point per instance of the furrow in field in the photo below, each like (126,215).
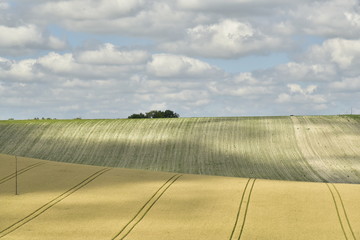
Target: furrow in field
(142,145)
(341,146)
(44,147)
(146,208)
(19,139)
(51,203)
(331,147)
(312,159)
(20,171)
(341,212)
(323,149)
(242,211)
(83,135)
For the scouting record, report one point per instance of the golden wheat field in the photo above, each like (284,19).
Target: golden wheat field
(69,201)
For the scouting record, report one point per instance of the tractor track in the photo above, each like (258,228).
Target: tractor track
(7,178)
(341,212)
(242,210)
(51,203)
(145,208)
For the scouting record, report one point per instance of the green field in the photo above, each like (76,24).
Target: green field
(300,148)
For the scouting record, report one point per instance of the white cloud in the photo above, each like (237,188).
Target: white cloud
(4,63)
(155,19)
(25,38)
(305,71)
(18,71)
(347,85)
(108,54)
(302,95)
(247,7)
(345,53)
(324,62)
(58,63)
(332,18)
(20,36)
(239,91)
(246,77)
(97,86)
(74,65)
(295,88)
(353,18)
(244,85)
(116,78)
(89,9)
(4,5)
(226,39)
(300,100)
(167,65)
(283,97)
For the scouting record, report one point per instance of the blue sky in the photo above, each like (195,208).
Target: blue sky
(109,59)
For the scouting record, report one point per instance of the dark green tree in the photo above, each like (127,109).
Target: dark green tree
(156,114)
(140,115)
(170,114)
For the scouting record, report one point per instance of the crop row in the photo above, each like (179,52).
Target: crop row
(322,149)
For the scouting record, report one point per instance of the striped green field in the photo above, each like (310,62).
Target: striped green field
(300,148)
(70,201)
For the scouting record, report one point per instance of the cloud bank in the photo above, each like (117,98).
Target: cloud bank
(66,59)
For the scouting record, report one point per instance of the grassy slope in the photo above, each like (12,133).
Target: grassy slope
(193,207)
(284,148)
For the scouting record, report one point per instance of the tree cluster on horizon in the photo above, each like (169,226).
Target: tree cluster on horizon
(155,114)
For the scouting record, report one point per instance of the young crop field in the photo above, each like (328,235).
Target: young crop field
(68,201)
(298,148)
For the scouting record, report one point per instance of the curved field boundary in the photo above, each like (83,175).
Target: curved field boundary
(242,212)
(51,203)
(146,208)
(341,213)
(7,178)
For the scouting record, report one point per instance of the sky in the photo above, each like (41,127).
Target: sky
(200,58)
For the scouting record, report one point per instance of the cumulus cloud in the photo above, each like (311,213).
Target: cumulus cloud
(109,54)
(244,85)
(168,65)
(324,62)
(137,77)
(58,63)
(344,53)
(4,5)
(89,9)
(304,97)
(335,18)
(112,77)
(26,38)
(347,85)
(245,7)
(225,39)
(295,88)
(155,19)
(18,71)
(305,71)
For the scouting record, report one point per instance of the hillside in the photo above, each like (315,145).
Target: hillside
(69,201)
(300,148)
